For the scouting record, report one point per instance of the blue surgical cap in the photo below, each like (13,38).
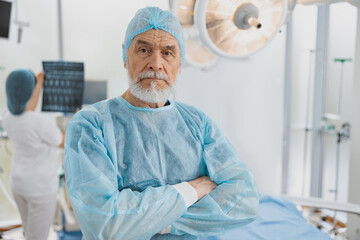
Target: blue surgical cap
(154,18)
(19,88)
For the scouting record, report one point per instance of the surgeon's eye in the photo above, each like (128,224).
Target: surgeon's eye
(168,54)
(144,51)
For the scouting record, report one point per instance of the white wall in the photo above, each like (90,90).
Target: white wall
(39,40)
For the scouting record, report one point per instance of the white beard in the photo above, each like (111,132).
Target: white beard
(151,95)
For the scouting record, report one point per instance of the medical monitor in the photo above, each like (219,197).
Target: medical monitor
(5,13)
(63,86)
(94,91)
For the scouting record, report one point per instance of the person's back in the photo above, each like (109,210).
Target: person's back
(35,139)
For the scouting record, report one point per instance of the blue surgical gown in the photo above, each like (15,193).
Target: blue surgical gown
(121,162)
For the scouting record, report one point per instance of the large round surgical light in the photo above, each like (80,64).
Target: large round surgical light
(196,53)
(238,28)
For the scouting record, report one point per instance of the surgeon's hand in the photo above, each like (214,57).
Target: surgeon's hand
(203,186)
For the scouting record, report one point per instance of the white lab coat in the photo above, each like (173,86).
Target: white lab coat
(34,168)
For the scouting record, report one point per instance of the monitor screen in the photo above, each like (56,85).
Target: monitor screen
(94,91)
(5,12)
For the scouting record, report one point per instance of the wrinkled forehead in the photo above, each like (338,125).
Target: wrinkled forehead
(156,38)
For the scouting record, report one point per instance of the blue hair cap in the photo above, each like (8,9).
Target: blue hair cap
(20,85)
(154,18)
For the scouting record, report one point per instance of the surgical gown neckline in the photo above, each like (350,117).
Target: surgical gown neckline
(145,109)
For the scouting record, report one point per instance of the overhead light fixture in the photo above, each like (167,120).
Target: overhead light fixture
(228,28)
(238,28)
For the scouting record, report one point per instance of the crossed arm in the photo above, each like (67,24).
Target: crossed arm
(104,212)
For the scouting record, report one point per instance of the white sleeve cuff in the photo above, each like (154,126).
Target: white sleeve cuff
(188,193)
(166,230)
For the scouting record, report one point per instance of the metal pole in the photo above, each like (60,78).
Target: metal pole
(287,108)
(316,176)
(61,50)
(338,141)
(341,88)
(307,128)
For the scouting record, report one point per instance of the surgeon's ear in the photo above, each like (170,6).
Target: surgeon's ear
(125,63)
(123,48)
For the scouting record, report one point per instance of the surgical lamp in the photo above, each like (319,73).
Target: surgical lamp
(228,28)
(237,29)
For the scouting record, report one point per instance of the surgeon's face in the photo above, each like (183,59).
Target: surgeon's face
(155,51)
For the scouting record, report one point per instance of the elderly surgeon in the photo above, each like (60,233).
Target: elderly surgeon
(34,180)
(141,166)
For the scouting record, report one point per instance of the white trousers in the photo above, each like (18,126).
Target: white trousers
(37,214)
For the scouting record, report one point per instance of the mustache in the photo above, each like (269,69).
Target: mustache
(152,74)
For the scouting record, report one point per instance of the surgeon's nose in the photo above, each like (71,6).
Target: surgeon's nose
(156,62)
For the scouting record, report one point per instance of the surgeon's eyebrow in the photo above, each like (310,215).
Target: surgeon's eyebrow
(142,42)
(171,48)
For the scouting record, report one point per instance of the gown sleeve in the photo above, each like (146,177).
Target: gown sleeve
(233,203)
(103,211)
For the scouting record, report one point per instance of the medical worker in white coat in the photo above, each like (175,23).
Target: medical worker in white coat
(34,179)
